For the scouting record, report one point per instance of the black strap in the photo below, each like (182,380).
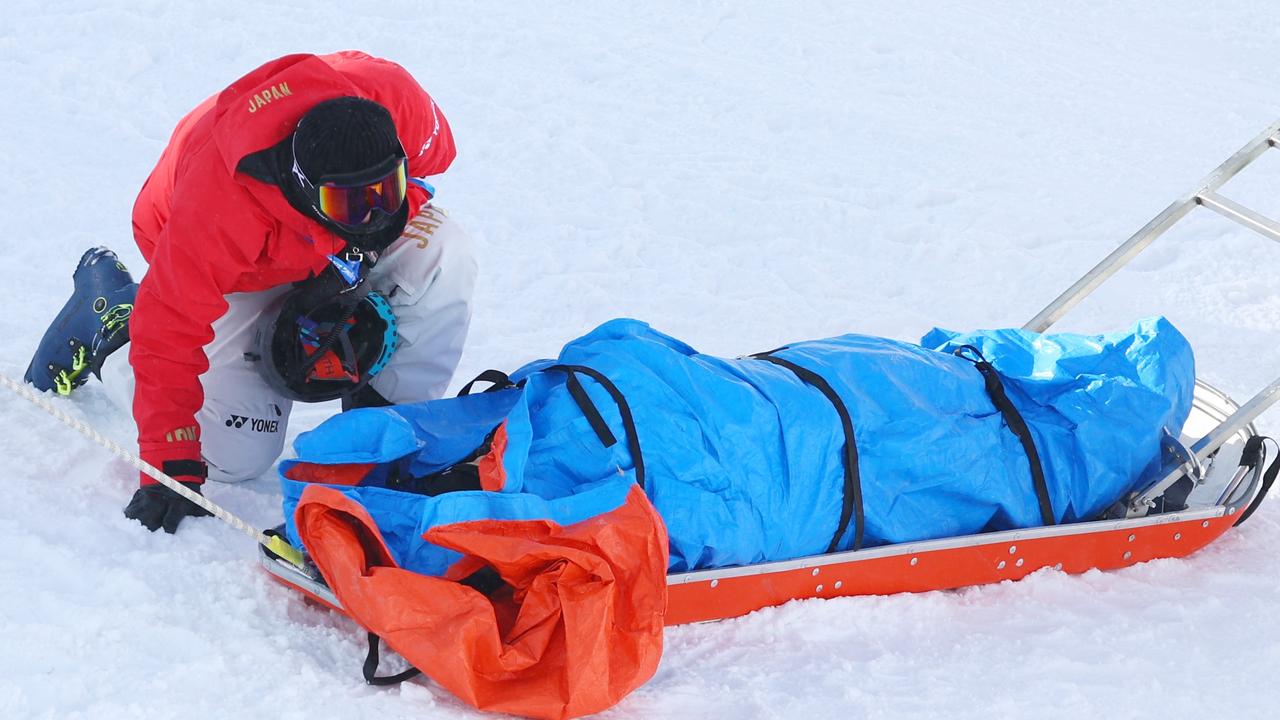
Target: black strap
(1253,455)
(499,381)
(371,667)
(596,420)
(347,358)
(1013,419)
(589,409)
(185,468)
(852,506)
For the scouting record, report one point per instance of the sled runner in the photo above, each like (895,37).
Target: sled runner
(1212,477)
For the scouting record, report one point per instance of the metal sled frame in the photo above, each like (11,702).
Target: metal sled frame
(1216,433)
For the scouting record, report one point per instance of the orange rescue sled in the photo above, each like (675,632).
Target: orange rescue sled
(1220,457)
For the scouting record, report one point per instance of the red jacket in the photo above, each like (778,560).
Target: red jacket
(208,231)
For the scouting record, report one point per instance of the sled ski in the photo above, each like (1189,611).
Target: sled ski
(1216,475)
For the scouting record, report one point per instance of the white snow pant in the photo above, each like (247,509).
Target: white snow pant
(427,275)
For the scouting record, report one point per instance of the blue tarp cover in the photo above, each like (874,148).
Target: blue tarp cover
(743,459)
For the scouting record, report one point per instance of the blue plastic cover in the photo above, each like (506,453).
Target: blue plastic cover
(743,459)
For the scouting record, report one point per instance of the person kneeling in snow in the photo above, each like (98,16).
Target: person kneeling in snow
(291,250)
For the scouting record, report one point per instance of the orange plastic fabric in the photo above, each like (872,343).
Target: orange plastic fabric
(578,629)
(493,476)
(347,474)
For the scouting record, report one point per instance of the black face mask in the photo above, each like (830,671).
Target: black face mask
(372,241)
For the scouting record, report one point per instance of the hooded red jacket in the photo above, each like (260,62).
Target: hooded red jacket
(208,231)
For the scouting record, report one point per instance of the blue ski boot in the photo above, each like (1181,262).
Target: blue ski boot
(93,324)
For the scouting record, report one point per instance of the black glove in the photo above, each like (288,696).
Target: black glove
(156,506)
(365,397)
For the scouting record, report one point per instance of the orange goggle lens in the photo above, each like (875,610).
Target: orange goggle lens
(354,205)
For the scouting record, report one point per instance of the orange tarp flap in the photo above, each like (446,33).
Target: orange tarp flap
(578,629)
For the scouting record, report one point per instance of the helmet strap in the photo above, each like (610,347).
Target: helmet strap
(339,332)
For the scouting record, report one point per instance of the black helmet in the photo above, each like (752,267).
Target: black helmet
(313,350)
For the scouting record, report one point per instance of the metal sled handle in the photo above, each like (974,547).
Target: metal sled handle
(1205,194)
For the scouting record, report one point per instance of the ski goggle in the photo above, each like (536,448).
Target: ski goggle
(350,200)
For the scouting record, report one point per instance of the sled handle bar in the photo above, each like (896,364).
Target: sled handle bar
(1205,194)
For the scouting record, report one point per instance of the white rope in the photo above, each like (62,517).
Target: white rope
(273,543)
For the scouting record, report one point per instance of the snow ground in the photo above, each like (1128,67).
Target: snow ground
(739,175)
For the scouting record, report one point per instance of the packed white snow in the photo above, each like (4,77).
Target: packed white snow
(739,175)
